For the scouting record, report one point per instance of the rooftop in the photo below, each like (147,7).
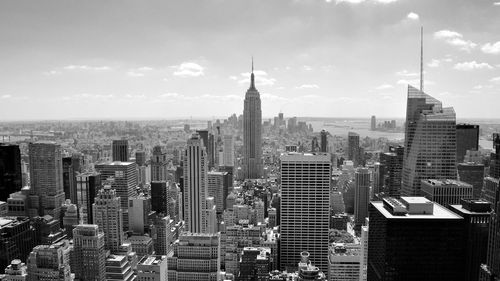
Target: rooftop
(439,212)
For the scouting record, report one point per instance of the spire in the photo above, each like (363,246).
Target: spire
(421,58)
(252,78)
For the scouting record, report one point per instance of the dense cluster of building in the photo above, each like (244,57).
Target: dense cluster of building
(251,200)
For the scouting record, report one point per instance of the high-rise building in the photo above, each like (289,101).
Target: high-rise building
(393,166)
(363,267)
(305,208)
(50,262)
(252,132)
(218,187)
(361,196)
(353,151)
(238,237)
(140,158)
(373,124)
(69,179)
(124,181)
(119,268)
(159,162)
(159,196)
(17,239)
(344,262)
(10,170)
(254,264)
(228,151)
(324,141)
(108,216)
(403,235)
(69,218)
(89,253)
(46,177)
(490,190)
(161,232)
(472,174)
(430,141)
(467,139)
(195,184)
(16,271)
(446,192)
(476,214)
(120,150)
(139,211)
(87,185)
(196,257)
(152,268)
(495,157)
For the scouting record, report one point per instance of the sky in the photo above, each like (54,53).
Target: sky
(131,59)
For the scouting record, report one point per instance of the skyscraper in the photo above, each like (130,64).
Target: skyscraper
(123,178)
(228,151)
(10,170)
(353,148)
(218,187)
(120,150)
(69,179)
(159,196)
(324,141)
(50,262)
(108,216)
(430,141)
(46,174)
(159,164)
(17,239)
(87,185)
(373,124)
(195,184)
(413,238)
(446,192)
(393,166)
(467,139)
(361,195)
(252,132)
(305,208)
(89,253)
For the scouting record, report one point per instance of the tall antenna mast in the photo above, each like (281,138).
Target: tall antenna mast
(421,58)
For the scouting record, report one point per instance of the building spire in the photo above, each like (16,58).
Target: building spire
(421,59)
(252,78)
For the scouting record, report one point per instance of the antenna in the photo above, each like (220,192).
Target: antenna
(252,64)
(421,59)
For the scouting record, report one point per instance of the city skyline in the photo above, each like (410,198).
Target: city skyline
(307,52)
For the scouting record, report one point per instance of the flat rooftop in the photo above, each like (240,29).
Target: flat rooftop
(439,212)
(305,157)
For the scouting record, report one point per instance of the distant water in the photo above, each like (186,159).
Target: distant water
(341,127)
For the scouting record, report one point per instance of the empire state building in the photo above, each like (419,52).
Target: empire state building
(252,132)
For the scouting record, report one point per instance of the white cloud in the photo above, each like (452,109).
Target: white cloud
(496,4)
(361,1)
(489,48)
(495,79)
(384,87)
(261,78)
(406,73)
(189,69)
(413,16)
(478,87)
(128,96)
(232,77)
(87,96)
(467,66)
(6,96)
(145,68)
(86,67)
(52,72)
(307,68)
(139,72)
(308,86)
(170,95)
(455,39)
(133,73)
(434,63)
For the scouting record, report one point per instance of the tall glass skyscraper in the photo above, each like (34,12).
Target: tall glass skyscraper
(430,141)
(252,132)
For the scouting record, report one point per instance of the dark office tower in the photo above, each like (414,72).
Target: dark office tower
(211,151)
(252,133)
(413,238)
(159,164)
(472,174)
(87,185)
(373,123)
(379,175)
(195,185)
(495,157)
(353,148)
(491,269)
(89,252)
(120,150)
(393,164)
(476,216)
(17,238)
(490,190)
(254,264)
(140,158)
(324,141)
(69,179)
(159,196)
(467,139)
(315,145)
(305,208)
(430,141)
(361,196)
(10,170)
(124,180)
(46,176)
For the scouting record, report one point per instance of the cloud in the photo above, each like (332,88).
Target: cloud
(434,63)
(472,65)
(384,87)
(5,96)
(493,49)
(139,72)
(406,73)
(86,67)
(52,72)
(308,86)
(307,68)
(232,77)
(455,39)
(495,79)
(261,78)
(128,96)
(189,69)
(170,95)
(361,1)
(87,96)
(478,87)
(132,73)
(412,16)
(496,4)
